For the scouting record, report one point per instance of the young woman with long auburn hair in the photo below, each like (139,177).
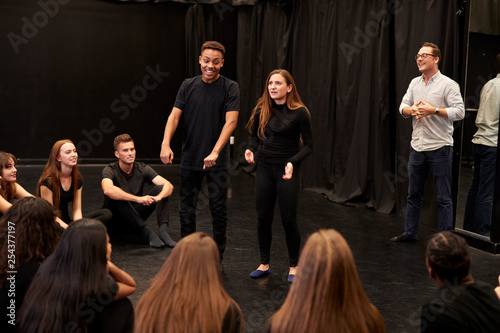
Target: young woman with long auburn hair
(28,235)
(61,183)
(327,295)
(75,289)
(280,126)
(187,293)
(9,188)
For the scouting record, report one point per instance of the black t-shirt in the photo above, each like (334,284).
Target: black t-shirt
(464,308)
(132,183)
(283,132)
(204,107)
(65,196)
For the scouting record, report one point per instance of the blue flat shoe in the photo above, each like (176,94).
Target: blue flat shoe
(258,273)
(290,278)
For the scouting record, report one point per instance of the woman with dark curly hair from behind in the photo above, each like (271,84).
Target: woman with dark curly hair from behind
(28,235)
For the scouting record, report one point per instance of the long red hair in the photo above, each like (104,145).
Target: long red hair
(7,189)
(52,172)
(265,104)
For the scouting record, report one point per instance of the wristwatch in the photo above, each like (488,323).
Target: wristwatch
(436,112)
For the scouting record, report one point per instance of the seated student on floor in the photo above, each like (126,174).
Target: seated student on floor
(187,293)
(9,189)
(326,294)
(61,183)
(123,186)
(78,288)
(461,304)
(30,225)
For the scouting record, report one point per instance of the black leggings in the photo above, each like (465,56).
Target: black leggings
(269,185)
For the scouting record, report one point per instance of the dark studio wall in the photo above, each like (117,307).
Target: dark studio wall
(89,70)
(351,63)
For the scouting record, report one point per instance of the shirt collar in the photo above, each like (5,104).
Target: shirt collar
(435,77)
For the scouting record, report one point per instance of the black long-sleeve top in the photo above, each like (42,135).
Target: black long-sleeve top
(282,143)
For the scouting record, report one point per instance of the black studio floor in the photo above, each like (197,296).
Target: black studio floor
(393,275)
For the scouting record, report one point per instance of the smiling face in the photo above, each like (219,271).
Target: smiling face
(427,65)
(211,61)
(9,172)
(126,153)
(68,155)
(278,88)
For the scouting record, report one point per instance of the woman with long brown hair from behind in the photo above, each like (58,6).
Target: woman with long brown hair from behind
(326,295)
(78,288)
(187,293)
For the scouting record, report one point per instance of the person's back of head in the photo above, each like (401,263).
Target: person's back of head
(448,258)
(187,292)
(326,294)
(73,274)
(31,221)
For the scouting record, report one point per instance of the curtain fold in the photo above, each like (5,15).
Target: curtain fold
(345,88)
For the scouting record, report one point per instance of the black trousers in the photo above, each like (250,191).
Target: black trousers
(136,214)
(269,185)
(217,183)
(104,215)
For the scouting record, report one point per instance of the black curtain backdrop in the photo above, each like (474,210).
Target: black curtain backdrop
(352,64)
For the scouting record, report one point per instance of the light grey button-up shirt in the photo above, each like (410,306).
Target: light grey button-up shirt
(433,132)
(488,113)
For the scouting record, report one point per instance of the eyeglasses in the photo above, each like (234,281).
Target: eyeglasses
(423,56)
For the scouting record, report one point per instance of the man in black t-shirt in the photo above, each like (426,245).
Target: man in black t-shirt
(461,304)
(209,104)
(123,183)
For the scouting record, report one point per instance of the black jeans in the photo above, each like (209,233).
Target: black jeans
(269,185)
(217,183)
(136,214)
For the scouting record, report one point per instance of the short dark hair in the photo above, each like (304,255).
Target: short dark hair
(211,44)
(121,138)
(497,63)
(448,255)
(435,49)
